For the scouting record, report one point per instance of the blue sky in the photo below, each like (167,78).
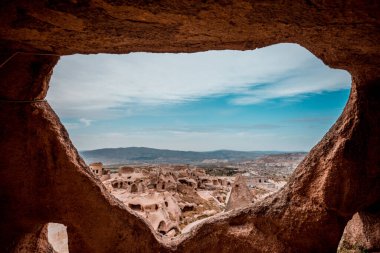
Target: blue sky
(276,98)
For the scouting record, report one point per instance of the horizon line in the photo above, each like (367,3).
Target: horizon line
(280,151)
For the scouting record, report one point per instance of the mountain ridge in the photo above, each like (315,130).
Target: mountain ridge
(153,155)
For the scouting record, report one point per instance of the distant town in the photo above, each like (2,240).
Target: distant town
(174,197)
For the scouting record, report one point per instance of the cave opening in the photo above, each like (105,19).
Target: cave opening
(57,237)
(41,170)
(135,207)
(98,104)
(134,188)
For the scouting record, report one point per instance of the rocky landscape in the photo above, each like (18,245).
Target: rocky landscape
(174,198)
(171,197)
(44,179)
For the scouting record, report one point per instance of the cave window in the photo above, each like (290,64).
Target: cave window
(161,227)
(187,209)
(135,207)
(134,188)
(57,237)
(250,98)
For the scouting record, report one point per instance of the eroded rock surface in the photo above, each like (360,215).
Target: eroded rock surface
(35,242)
(168,197)
(344,34)
(362,233)
(43,179)
(240,196)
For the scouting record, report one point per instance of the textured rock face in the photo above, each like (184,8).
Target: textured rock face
(43,179)
(342,33)
(240,196)
(362,232)
(35,242)
(169,197)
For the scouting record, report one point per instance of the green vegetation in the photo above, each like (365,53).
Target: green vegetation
(219,171)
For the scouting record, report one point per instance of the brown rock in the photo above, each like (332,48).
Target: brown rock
(240,195)
(43,179)
(35,242)
(362,232)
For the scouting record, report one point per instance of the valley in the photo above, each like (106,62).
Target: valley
(173,197)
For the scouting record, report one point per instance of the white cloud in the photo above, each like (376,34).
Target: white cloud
(80,123)
(309,80)
(85,122)
(100,86)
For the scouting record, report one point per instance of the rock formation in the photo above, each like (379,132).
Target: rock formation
(43,179)
(362,233)
(169,197)
(35,242)
(96,168)
(240,195)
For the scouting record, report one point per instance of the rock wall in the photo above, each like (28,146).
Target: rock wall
(43,179)
(362,232)
(35,242)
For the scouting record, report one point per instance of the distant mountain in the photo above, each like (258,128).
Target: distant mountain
(151,155)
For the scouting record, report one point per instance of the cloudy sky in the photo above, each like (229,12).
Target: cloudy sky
(276,98)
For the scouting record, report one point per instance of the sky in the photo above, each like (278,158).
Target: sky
(279,98)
